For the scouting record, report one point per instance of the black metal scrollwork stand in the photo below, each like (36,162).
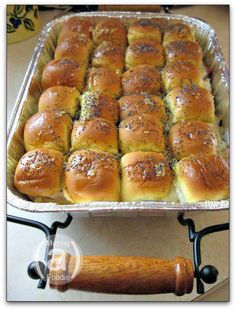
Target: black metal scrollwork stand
(207,274)
(50,232)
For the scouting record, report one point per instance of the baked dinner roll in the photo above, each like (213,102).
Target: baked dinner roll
(184,51)
(39,173)
(78,49)
(110,55)
(95,134)
(49,129)
(145,176)
(66,72)
(141,79)
(104,80)
(95,104)
(202,177)
(191,137)
(112,30)
(180,74)
(70,35)
(92,176)
(144,28)
(190,102)
(144,52)
(141,133)
(142,104)
(61,98)
(77,25)
(177,32)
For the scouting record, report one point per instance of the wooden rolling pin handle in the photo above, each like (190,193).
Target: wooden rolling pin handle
(122,275)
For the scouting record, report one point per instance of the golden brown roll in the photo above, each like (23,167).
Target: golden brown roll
(144,52)
(142,104)
(95,104)
(61,98)
(70,35)
(66,72)
(78,49)
(105,81)
(39,173)
(112,30)
(144,28)
(177,32)
(191,102)
(180,74)
(110,55)
(49,129)
(141,79)
(95,134)
(184,51)
(141,133)
(192,137)
(145,176)
(77,25)
(92,176)
(202,177)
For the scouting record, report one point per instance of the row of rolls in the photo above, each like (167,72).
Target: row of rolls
(126,114)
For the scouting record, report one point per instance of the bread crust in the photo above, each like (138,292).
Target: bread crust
(39,173)
(92,176)
(145,176)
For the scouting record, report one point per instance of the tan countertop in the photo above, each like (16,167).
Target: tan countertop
(148,236)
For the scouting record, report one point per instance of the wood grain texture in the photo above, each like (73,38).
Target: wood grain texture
(122,275)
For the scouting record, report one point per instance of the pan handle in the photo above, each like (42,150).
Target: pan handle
(121,274)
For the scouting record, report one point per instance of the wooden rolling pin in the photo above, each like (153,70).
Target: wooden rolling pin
(122,275)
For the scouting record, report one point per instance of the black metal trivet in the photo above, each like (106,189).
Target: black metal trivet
(208,273)
(38,270)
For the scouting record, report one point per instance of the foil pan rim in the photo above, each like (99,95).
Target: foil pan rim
(107,206)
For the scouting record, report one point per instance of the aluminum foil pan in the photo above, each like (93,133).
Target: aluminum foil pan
(26,105)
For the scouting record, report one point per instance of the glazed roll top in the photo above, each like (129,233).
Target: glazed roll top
(180,74)
(77,48)
(110,55)
(60,98)
(77,25)
(141,133)
(142,104)
(191,102)
(202,177)
(92,176)
(184,51)
(141,79)
(104,80)
(145,176)
(39,173)
(144,52)
(71,36)
(145,28)
(177,32)
(66,72)
(111,30)
(95,104)
(49,129)
(95,134)
(192,137)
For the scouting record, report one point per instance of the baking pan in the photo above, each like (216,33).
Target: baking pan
(26,105)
